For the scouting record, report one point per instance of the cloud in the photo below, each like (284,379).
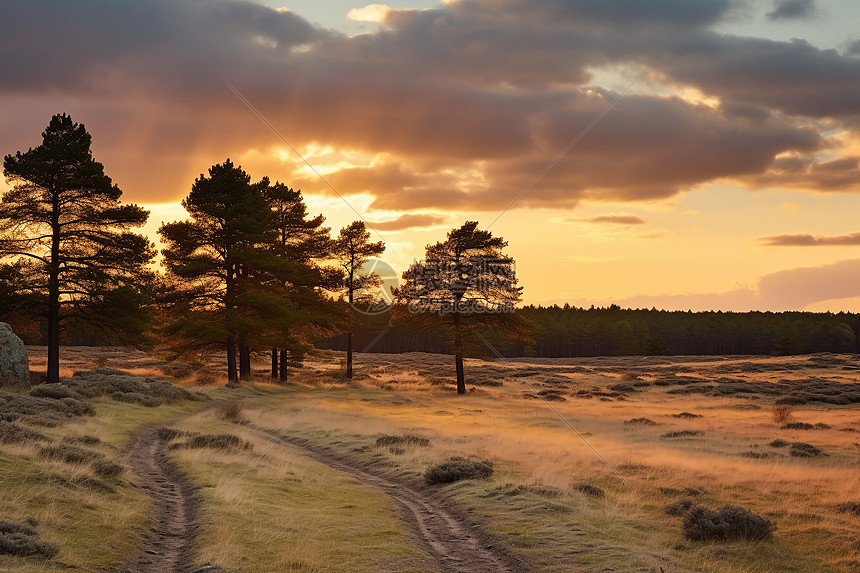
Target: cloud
(792,10)
(409,221)
(802,240)
(457,107)
(607,219)
(370,13)
(788,290)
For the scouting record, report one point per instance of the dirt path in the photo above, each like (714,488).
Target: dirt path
(166,547)
(456,541)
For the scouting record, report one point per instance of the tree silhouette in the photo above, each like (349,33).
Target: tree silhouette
(465,283)
(214,255)
(303,310)
(352,249)
(64,215)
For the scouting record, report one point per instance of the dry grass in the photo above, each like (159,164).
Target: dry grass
(288,513)
(782,413)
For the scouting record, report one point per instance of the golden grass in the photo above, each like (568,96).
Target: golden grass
(288,513)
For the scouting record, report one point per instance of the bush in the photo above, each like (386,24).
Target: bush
(782,413)
(777,443)
(589,489)
(686,415)
(21,540)
(69,454)
(405,440)
(231,411)
(14,434)
(684,434)
(729,523)
(681,507)
(215,442)
(105,468)
(169,434)
(136,398)
(849,507)
(640,422)
(803,450)
(457,468)
(805,426)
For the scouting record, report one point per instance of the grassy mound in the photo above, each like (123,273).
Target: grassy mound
(21,540)
(456,469)
(729,523)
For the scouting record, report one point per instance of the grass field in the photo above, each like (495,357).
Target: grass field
(587,454)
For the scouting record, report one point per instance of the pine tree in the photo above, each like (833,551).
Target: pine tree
(352,249)
(64,215)
(214,255)
(467,284)
(300,310)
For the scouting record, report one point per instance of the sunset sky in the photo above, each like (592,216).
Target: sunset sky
(726,176)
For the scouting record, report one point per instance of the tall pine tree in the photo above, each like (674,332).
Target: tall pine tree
(214,254)
(467,284)
(64,215)
(352,249)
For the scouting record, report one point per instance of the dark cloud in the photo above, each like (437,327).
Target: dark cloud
(792,10)
(836,175)
(803,240)
(457,107)
(853,49)
(410,221)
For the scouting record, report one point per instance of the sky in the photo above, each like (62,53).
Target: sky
(677,154)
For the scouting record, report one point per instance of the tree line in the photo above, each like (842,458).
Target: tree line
(569,332)
(248,269)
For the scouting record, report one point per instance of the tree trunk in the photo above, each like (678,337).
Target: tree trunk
(274,363)
(349,355)
(458,357)
(461,378)
(283,366)
(244,362)
(53,370)
(232,376)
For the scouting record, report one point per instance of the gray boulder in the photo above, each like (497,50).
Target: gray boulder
(14,365)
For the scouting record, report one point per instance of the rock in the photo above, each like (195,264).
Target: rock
(14,365)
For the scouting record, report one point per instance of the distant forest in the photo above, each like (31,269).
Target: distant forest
(563,332)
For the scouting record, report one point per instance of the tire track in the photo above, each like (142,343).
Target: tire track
(167,545)
(457,542)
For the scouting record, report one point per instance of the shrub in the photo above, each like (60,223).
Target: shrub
(231,411)
(803,450)
(55,391)
(777,443)
(136,398)
(404,440)
(782,413)
(457,468)
(105,468)
(21,540)
(849,507)
(589,489)
(686,415)
(729,523)
(69,454)
(214,442)
(684,434)
(85,439)
(640,422)
(169,434)
(14,434)
(681,507)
